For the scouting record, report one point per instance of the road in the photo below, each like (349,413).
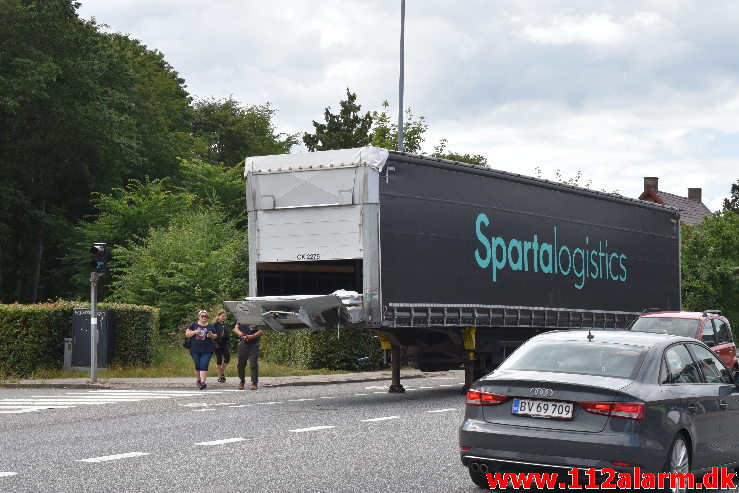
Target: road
(320,438)
(347,437)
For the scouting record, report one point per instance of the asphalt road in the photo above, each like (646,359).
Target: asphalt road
(321,438)
(346,437)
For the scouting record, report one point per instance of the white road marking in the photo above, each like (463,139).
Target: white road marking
(361,394)
(380,392)
(385,418)
(6,474)
(313,428)
(442,410)
(422,387)
(201,410)
(375,387)
(328,397)
(221,442)
(242,405)
(105,458)
(301,400)
(446,385)
(270,403)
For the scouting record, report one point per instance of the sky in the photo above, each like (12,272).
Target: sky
(616,90)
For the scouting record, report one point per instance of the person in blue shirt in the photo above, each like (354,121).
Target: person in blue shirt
(202,334)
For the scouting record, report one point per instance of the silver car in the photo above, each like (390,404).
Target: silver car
(580,401)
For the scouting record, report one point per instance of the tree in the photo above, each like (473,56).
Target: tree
(198,260)
(344,130)
(476,159)
(710,265)
(732,204)
(81,111)
(124,216)
(229,132)
(385,132)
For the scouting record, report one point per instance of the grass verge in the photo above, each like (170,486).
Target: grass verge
(172,360)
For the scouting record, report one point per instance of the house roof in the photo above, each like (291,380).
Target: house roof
(691,211)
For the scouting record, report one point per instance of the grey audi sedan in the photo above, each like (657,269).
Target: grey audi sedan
(580,401)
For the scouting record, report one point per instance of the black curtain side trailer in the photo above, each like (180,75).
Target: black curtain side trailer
(451,263)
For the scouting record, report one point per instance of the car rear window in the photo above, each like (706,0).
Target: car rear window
(686,327)
(580,357)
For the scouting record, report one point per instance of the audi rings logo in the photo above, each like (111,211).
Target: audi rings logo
(541,392)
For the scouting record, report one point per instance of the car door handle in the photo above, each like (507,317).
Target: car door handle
(692,409)
(722,405)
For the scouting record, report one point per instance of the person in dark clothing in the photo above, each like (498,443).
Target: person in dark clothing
(248,350)
(202,335)
(223,350)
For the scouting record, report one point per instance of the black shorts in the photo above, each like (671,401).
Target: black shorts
(223,355)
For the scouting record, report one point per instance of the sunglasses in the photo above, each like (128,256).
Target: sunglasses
(203,315)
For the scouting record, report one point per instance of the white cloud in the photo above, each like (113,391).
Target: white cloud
(594,28)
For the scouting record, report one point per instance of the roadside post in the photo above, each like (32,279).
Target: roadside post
(99,257)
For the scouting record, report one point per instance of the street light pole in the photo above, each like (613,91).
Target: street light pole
(402,71)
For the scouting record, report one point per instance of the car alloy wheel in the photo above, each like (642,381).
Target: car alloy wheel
(678,461)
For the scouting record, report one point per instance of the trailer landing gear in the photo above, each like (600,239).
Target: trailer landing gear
(395,386)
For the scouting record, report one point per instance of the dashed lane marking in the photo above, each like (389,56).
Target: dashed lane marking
(312,428)
(442,410)
(106,458)
(7,474)
(328,397)
(384,418)
(301,400)
(270,403)
(201,410)
(221,442)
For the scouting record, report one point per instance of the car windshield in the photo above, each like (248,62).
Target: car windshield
(686,327)
(580,357)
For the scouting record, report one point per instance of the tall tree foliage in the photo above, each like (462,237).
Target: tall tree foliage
(228,132)
(198,259)
(344,130)
(710,265)
(80,113)
(732,203)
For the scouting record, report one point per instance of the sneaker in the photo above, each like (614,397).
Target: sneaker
(198,383)
(203,386)
(222,380)
(254,386)
(241,386)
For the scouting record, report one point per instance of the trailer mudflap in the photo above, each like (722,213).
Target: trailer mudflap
(285,313)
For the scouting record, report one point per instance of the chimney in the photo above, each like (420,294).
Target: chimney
(695,194)
(651,182)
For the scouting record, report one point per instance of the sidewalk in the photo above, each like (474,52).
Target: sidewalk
(384,376)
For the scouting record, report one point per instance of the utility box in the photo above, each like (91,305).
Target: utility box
(67,354)
(81,338)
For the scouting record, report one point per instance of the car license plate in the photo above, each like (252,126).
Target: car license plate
(542,409)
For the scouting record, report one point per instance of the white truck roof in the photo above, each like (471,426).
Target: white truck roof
(374,157)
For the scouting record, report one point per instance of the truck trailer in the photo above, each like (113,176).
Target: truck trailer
(452,264)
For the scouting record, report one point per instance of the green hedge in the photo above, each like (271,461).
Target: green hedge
(137,330)
(32,336)
(315,350)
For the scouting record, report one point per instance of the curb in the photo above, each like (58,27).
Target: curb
(266,382)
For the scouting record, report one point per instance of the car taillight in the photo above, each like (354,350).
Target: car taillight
(477,398)
(627,410)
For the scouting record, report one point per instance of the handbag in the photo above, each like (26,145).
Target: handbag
(186,343)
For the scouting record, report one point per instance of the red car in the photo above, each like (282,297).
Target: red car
(710,326)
